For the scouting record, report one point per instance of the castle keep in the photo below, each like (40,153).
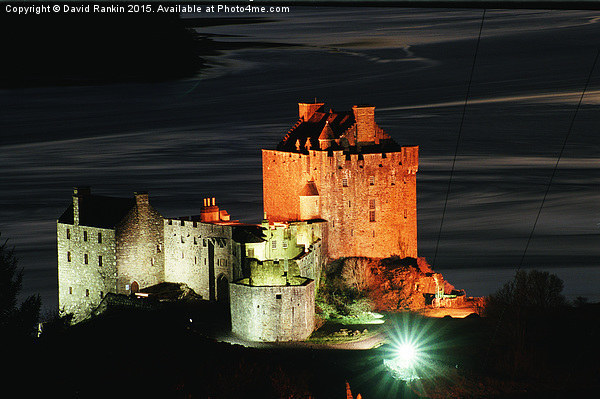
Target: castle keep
(336,186)
(342,167)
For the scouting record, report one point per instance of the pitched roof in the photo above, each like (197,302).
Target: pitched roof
(339,127)
(99,211)
(309,189)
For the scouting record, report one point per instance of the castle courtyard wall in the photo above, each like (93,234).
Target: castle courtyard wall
(272,313)
(188,248)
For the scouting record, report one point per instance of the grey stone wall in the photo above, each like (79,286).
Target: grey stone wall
(81,284)
(198,254)
(272,313)
(139,248)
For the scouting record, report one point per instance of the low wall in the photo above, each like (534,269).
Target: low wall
(272,313)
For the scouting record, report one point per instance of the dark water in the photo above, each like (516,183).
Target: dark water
(188,139)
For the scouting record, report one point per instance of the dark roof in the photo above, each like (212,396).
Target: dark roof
(99,211)
(248,234)
(335,127)
(311,129)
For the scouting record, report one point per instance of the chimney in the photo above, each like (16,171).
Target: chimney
(209,211)
(365,123)
(79,193)
(141,199)
(305,110)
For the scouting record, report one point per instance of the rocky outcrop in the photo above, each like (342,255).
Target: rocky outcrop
(394,284)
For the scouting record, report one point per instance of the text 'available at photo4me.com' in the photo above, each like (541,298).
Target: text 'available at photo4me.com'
(139,8)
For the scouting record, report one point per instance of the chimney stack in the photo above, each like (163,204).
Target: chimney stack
(365,123)
(79,193)
(141,199)
(209,211)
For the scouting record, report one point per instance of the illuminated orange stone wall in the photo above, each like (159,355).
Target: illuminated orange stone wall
(383,183)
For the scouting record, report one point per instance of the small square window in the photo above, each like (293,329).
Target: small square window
(277,296)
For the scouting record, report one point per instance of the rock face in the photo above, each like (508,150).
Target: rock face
(395,284)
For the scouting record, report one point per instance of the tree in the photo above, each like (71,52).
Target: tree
(17,321)
(522,312)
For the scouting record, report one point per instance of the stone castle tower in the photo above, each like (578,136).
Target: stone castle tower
(343,168)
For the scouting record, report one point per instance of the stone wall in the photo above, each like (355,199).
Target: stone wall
(198,254)
(86,268)
(272,313)
(139,249)
(369,200)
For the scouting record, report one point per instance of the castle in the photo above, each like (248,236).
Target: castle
(336,186)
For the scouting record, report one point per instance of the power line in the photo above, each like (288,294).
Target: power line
(560,154)
(462,121)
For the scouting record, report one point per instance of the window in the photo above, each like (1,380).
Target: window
(345,182)
(151,261)
(349,204)
(101,294)
(84,235)
(100,260)
(68,234)
(68,256)
(195,241)
(99,238)
(85,258)
(405,213)
(70,290)
(371,180)
(158,248)
(195,260)
(277,296)
(273,244)
(182,241)
(251,252)
(371,216)
(284,244)
(87,292)
(371,204)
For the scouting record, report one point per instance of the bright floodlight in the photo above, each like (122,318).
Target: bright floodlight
(405,361)
(406,353)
